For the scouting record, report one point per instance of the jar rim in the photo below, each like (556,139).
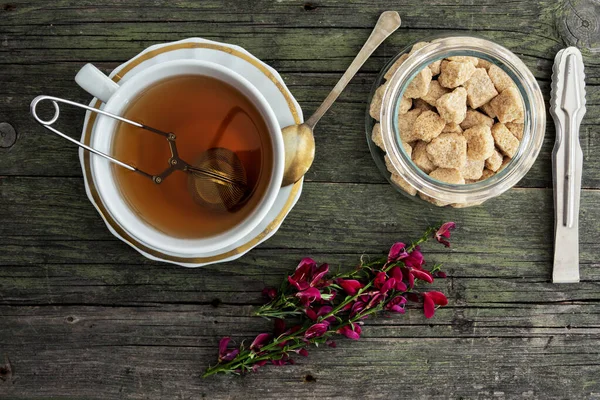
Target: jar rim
(534,121)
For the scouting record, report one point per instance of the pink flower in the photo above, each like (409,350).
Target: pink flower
(441,274)
(331,343)
(397,252)
(351,331)
(279,327)
(316,330)
(410,277)
(303,352)
(269,293)
(422,275)
(414,259)
(396,304)
(309,295)
(357,307)
(396,273)
(315,312)
(282,361)
(432,299)
(351,286)
(258,364)
(318,275)
(389,284)
(444,233)
(323,311)
(259,341)
(224,354)
(307,274)
(331,295)
(380,279)
(303,273)
(376,298)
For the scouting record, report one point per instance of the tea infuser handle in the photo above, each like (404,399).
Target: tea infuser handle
(49,122)
(93,81)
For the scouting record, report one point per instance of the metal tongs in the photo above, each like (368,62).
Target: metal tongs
(567,106)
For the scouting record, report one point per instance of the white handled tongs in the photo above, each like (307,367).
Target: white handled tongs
(567,106)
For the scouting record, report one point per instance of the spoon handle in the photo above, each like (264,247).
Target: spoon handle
(388,22)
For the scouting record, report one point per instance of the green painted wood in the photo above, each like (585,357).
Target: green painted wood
(82,315)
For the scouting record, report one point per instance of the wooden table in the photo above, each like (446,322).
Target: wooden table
(82,315)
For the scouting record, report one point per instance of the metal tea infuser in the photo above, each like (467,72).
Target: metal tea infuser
(217,178)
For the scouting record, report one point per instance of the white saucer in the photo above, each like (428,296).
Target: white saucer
(266,80)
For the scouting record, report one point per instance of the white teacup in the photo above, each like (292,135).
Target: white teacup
(117,99)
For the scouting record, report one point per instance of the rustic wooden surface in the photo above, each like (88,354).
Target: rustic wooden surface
(84,316)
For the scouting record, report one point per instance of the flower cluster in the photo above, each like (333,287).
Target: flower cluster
(329,305)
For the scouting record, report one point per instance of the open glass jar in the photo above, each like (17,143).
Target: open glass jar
(412,179)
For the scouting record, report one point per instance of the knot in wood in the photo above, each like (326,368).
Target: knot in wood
(579,24)
(8,135)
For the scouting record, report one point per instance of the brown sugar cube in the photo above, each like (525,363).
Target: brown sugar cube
(422,105)
(455,73)
(388,164)
(516,129)
(376,136)
(505,162)
(480,88)
(419,86)
(494,162)
(508,105)
(427,126)
(402,184)
(420,157)
(487,108)
(448,175)
(472,169)
(395,66)
(375,108)
(431,200)
(407,148)
(480,142)
(435,67)
(484,63)
(476,118)
(472,60)
(435,92)
(397,179)
(486,174)
(405,105)
(506,142)
(449,150)
(405,125)
(500,78)
(453,106)
(452,128)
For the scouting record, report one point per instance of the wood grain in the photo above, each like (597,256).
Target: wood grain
(82,315)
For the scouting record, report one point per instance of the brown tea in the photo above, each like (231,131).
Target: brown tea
(203,113)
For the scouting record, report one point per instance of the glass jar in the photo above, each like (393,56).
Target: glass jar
(413,177)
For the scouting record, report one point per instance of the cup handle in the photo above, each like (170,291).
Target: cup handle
(93,81)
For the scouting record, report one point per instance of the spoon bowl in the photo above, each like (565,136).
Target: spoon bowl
(299,143)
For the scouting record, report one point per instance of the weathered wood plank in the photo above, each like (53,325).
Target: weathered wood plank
(489,282)
(58,212)
(84,316)
(135,355)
